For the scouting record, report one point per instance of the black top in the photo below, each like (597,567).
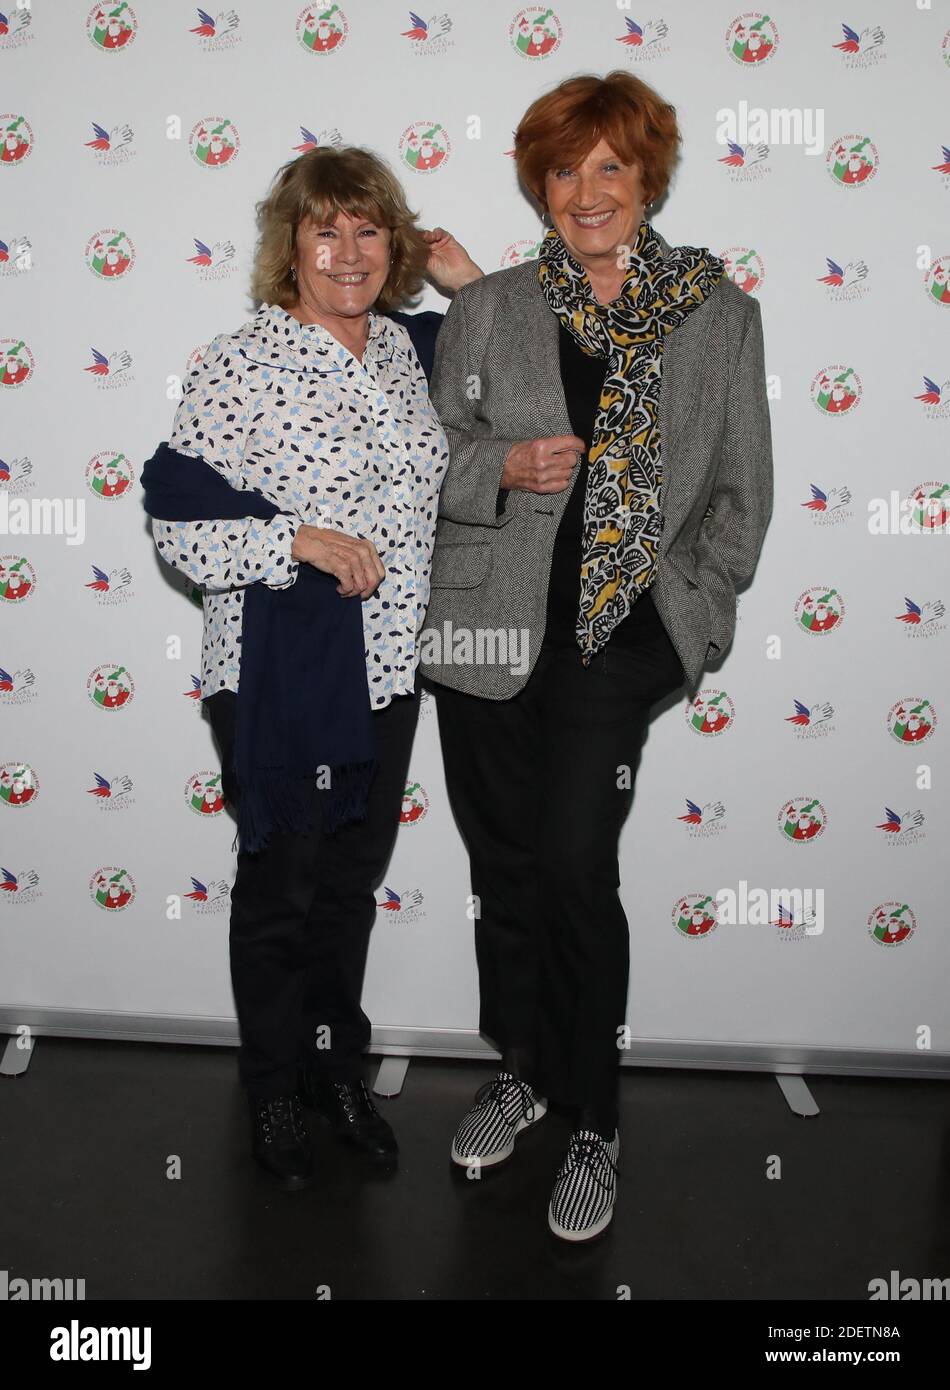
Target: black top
(582,376)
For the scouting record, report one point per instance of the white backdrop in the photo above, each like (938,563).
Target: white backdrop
(158,140)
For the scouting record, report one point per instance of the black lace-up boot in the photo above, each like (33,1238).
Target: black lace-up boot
(280,1142)
(348,1109)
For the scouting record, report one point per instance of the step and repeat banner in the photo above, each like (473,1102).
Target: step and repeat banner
(781,862)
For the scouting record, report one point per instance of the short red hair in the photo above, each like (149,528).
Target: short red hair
(561,128)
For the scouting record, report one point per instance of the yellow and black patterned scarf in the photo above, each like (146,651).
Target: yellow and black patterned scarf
(622,504)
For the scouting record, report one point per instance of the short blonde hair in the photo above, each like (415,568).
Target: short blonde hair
(560,128)
(319,184)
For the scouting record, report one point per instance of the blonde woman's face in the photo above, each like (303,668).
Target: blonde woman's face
(596,206)
(341,267)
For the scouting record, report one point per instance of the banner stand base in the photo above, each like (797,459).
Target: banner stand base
(800,1099)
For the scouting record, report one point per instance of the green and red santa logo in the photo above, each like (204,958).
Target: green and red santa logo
(802,819)
(851,160)
(535,32)
(695,914)
(322,29)
(111,27)
(819,610)
(19,784)
(17,578)
(16,362)
(415,804)
(110,254)
(744,268)
(110,687)
(911,720)
(711,712)
(836,390)
(112,888)
(518,252)
(890,924)
(214,142)
(203,793)
(17,137)
(109,475)
(927,508)
(425,146)
(937,281)
(195,357)
(751,39)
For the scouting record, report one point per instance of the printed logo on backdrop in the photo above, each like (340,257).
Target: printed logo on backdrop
(415,804)
(816,720)
(16,362)
(744,268)
(195,357)
(829,508)
(819,610)
(16,476)
(109,475)
(404,908)
(426,704)
(927,507)
(852,160)
(217,33)
(330,138)
(428,38)
(17,137)
(937,281)
(943,168)
(861,48)
(214,142)
(845,282)
(642,43)
(518,252)
(16,256)
(209,898)
(945,51)
(194,693)
(836,389)
(112,27)
(214,262)
(535,32)
(20,888)
(17,687)
(112,147)
(112,793)
(795,913)
(112,888)
(111,587)
(747,162)
(751,38)
(424,146)
(703,822)
(110,687)
(902,830)
(711,712)
(935,399)
(911,720)
(891,924)
(695,915)
(802,819)
(19,784)
(15,28)
(203,794)
(111,370)
(922,619)
(322,30)
(17,578)
(794,926)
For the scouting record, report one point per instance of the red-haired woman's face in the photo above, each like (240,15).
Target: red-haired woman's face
(341,268)
(597,206)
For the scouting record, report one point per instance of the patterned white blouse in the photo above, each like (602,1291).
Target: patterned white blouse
(283,408)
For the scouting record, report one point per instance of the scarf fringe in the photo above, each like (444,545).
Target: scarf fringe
(282,803)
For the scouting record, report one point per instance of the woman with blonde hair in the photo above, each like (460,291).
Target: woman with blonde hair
(298,488)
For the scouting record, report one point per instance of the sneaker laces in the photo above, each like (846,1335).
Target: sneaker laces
(591,1151)
(281,1118)
(494,1091)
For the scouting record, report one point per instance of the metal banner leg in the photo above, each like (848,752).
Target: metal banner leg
(799,1098)
(391,1075)
(16,1057)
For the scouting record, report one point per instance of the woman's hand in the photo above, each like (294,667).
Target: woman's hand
(450,266)
(542,465)
(354,562)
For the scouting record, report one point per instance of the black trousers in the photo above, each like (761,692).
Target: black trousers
(540,792)
(301,914)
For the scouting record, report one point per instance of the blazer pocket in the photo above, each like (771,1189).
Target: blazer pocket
(459,565)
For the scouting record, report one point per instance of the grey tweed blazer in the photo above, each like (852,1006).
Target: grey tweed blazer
(496,380)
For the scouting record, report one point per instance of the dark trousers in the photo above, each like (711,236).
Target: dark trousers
(538,788)
(301,914)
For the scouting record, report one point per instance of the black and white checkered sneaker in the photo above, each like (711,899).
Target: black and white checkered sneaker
(585,1190)
(503,1108)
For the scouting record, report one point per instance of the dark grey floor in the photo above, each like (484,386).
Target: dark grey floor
(86,1135)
